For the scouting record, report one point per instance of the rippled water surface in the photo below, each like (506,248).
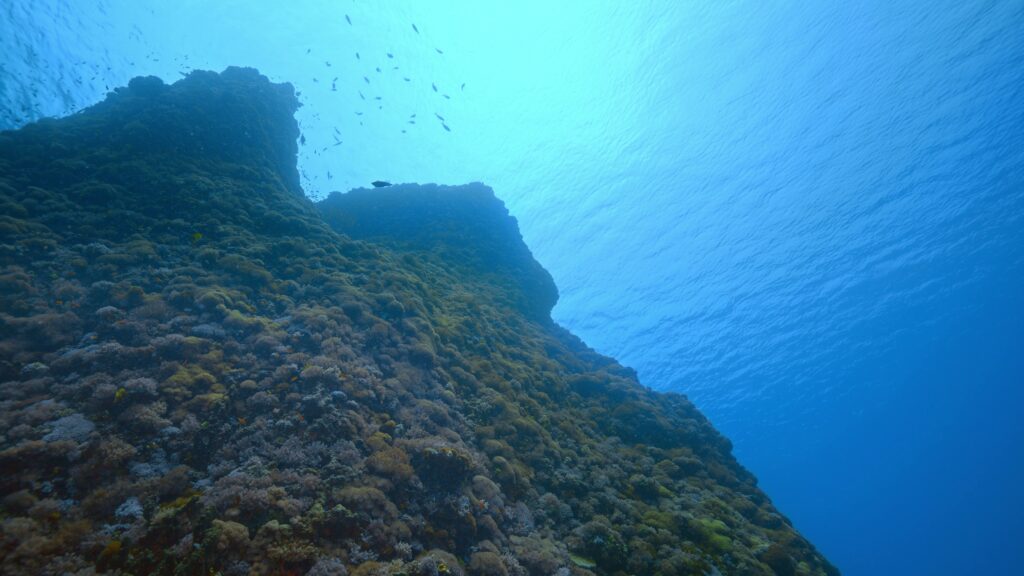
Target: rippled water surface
(805,216)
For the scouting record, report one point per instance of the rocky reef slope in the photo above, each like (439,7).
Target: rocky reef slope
(203,372)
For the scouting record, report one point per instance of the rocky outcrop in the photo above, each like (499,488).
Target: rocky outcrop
(203,372)
(466,227)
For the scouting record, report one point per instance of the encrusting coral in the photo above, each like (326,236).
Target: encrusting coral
(201,371)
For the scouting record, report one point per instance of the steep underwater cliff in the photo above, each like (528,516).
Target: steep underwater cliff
(203,372)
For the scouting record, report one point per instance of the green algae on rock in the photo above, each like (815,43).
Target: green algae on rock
(203,372)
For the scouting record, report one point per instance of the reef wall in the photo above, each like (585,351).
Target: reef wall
(203,372)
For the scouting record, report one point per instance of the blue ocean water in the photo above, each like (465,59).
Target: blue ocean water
(809,217)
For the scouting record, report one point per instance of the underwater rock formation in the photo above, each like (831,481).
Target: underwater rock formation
(201,371)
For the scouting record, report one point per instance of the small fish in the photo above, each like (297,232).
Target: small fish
(407,79)
(446,97)
(308,50)
(347,19)
(390,55)
(367,79)
(361,95)
(302,139)
(327,63)
(412,116)
(439,51)
(447,129)
(329,175)
(380,183)
(463,87)
(377,98)
(336,131)
(359,113)
(434,86)
(412,121)
(439,117)
(378,69)
(357,56)
(415,29)
(403,131)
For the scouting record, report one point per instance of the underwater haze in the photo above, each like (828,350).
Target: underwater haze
(808,217)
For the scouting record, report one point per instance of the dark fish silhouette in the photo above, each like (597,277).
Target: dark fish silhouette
(407,79)
(367,79)
(347,19)
(357,56)
(434,86)
(415,29)
(380,183)
(446,97)
(447,129)
(308,50)
(377,98)
(361,95)
(390,55)
(378,69)
(439,117)
(327,63)
(302,139)
(412,116)
(439,51)
(359,113)
(463,87)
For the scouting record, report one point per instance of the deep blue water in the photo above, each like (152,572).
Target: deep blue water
(809,217)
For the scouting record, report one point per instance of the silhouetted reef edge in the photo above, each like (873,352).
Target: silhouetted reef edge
(201,371)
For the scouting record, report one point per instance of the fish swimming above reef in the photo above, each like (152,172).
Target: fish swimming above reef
(380,183)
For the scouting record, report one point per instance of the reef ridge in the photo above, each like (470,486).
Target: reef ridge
(202,371)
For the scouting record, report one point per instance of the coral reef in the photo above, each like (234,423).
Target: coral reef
(201,371)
